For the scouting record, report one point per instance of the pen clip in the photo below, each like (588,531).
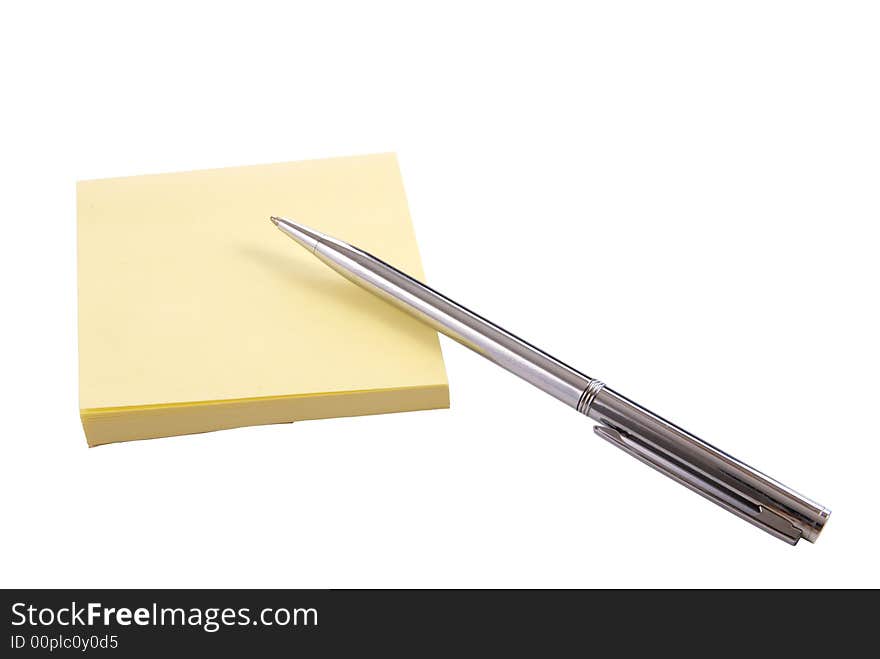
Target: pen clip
(722,489)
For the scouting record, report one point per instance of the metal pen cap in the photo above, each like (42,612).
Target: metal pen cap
(719,477)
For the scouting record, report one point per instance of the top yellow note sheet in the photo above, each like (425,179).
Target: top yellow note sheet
(196,314)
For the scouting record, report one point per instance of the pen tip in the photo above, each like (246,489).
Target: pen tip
(306,237)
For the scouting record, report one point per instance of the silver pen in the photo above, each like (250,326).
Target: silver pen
(719,477)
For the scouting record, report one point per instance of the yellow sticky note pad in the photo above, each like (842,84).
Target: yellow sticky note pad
(197,314)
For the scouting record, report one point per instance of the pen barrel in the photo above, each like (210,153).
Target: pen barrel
(457,322)
(719,477)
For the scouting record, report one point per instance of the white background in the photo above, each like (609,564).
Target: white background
(680,198)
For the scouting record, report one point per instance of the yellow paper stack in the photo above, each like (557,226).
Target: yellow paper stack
(196,314)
